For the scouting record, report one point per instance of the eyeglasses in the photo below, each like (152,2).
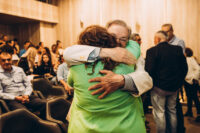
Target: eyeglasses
(122,39)
(4,60)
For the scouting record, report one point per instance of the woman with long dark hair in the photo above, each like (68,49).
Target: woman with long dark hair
(46,67)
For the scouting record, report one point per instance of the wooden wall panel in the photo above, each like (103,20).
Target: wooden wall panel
(48,34)
(28,32)
(7,30)
(30,9)
(23,32)
(144,16)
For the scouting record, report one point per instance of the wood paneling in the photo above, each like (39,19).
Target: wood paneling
(30,9)
(48,34)
(28,32)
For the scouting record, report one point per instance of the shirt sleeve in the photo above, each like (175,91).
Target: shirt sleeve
(129,85)
(82,54)
(94,55)
(182,44)
(5,96)
(139,81)
(60,73)
(27,84)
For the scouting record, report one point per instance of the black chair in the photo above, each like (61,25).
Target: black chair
(57,110)
(47,90)
(3,107)
(23,121)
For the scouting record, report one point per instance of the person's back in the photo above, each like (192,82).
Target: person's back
(120,107)
(169,67)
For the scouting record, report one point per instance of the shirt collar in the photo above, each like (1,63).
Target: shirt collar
(2,70)
(172,40)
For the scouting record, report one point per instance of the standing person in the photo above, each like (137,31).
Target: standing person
(26,45)
(173,40)
(30,55)
(119,112)
(167,66)
(136,37)
(136,83)
(191,83)
(59,47)
(15,88)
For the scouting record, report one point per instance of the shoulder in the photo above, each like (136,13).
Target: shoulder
(17,69)
(178,39)
(62,66)
(152,49)
(178,48)
(134,48)
(132,43)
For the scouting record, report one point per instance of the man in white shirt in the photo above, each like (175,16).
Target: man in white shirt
(15,88)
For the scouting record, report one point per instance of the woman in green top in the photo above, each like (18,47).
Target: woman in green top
(119,112)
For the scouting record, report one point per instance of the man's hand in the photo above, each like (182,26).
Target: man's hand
(108,83)
(19,98)
(118,54)
(26,98)
(22,99)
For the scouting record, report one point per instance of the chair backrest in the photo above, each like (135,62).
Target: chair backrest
(58,109)
(23,121)
(42,85)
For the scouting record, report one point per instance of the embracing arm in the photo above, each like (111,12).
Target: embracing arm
(78,54)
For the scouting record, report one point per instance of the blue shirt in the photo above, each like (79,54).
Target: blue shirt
(14,83)
(178,42)
(22,52)
(62,72)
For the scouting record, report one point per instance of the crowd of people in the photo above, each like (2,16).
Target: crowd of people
(113,84)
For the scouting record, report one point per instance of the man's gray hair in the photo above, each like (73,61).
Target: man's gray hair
(119,22)
(162,35)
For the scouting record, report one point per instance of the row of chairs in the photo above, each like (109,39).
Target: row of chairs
(56,111)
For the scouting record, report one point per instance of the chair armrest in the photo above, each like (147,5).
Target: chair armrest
(60,123)
(58,91)
(4,105)
(49,127)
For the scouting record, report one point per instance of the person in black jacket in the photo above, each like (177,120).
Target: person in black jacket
(167,66)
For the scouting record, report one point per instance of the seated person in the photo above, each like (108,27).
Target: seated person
(15,88)
(118,112)
(62,74)
(46,67)
(15,57)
